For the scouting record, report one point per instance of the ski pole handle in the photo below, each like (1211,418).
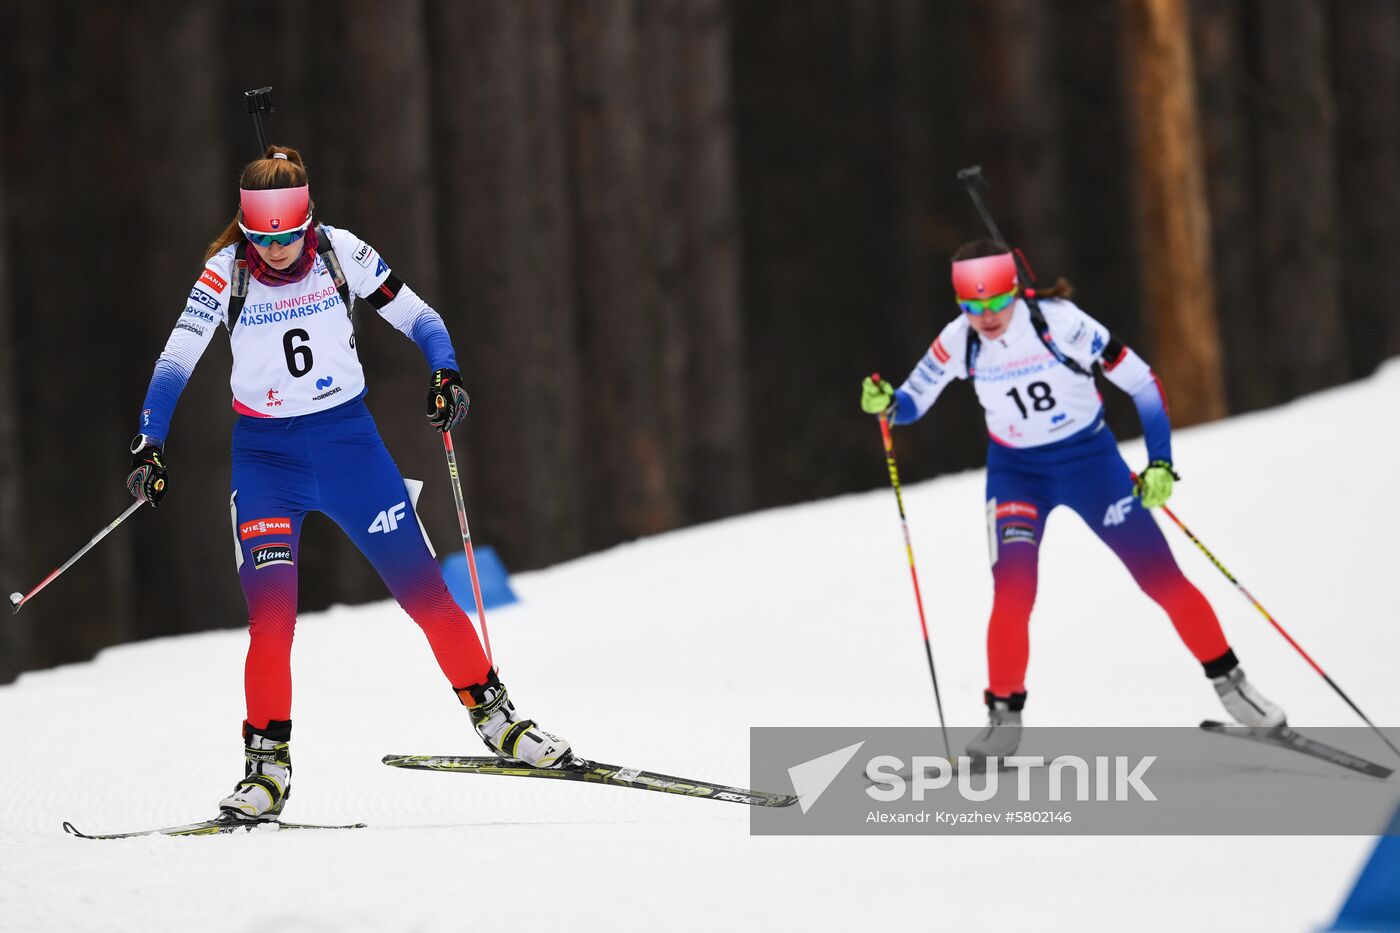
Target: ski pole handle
(973,182)
(19,599)
(259,102)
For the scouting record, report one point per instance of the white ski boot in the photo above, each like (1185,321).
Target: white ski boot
(505,733)
(1246,704)
(267,778)
(1003,733)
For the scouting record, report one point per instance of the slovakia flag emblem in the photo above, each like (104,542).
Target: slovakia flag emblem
(276,223)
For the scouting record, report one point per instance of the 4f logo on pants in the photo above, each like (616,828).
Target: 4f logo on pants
(1117,513)
(388,520)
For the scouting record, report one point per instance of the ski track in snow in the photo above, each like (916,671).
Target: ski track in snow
(660,654)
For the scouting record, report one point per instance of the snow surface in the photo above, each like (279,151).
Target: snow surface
(661,654)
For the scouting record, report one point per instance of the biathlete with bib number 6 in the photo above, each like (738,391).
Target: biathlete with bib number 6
(1031,357)
(304,441)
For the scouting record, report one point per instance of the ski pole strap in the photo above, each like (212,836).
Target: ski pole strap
(239,292)
(326,250)
(1042,330)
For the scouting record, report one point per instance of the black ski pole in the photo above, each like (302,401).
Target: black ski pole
(259,101)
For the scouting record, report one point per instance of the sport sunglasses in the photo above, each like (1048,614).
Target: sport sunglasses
(285,238)
(994,304)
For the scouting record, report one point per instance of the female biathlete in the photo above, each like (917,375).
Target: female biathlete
(1049,447)
(304,441)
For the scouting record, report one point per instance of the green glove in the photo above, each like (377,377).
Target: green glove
(876,395)
(1154,485)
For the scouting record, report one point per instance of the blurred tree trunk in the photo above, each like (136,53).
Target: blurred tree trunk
(1172,207)
(1095,109)
(1366,56)
(1016,119)
(629,474)
(508,279)
(374,170)
(820,209)
(685,58)
(73,111)
(181,142)
(1297,210)
(1231,161)
(16,635)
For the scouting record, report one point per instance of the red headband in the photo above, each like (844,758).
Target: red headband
(984,276)
(275,210)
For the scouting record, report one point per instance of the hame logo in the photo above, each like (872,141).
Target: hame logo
(389,519)
(266,554)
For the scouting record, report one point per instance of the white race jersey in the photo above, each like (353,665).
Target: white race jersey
(1030,398)
(293,345)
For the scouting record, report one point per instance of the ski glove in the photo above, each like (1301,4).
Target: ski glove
(876,395)
(1154,485)
(148,480)
(447,400)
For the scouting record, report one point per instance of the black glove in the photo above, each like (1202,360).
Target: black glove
(148,480)
(447,400)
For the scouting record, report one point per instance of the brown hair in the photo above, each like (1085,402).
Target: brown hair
(260,175)
(979,248)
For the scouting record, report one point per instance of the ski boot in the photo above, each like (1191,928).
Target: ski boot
(267,778)
(1003,733)
(505,733)
(1245,703)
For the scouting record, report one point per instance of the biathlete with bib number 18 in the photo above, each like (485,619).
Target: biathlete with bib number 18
(1030,356)
(304,441)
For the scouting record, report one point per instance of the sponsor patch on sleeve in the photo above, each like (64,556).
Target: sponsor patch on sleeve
(380,267)
(267,554)
(363,254)
(265,526)
(940,352)
(213,280)
(200,296)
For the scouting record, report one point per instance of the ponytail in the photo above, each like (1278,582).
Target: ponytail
(1061,289)
(259,175)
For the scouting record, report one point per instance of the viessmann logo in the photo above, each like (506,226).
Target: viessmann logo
(265,526)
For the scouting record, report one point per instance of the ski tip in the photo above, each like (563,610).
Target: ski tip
(70,829)
(1212,724)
